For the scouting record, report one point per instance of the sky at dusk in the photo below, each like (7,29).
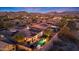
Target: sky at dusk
(38,9)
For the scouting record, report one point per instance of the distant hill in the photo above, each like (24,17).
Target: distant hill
(23,13)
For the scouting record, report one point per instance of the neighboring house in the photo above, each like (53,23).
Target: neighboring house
(6,47)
